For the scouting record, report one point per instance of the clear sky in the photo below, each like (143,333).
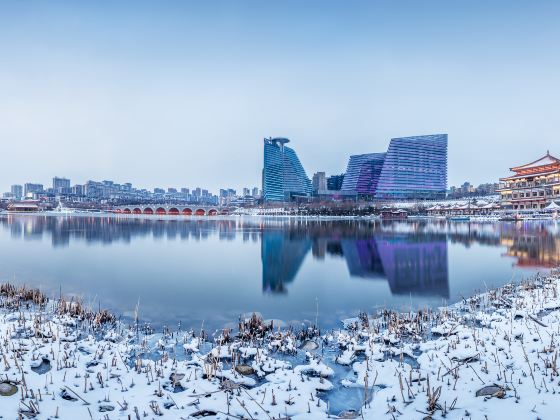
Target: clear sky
(163,93)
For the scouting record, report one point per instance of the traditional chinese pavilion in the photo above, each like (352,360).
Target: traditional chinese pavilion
(533,185)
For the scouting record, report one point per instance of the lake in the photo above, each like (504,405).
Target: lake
(208,271)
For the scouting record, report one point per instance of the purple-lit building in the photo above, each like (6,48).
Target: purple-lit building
(413,168)
(362,174)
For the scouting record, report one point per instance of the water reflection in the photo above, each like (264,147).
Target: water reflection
(410,263)
(411,259)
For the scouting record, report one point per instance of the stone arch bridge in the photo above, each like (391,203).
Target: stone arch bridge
(171,210)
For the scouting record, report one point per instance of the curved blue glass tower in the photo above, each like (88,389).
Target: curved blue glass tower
(362,174)
(283,175)
(414,168)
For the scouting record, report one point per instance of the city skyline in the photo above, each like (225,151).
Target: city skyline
(183,94)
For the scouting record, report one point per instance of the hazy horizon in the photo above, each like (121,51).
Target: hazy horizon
(181,94)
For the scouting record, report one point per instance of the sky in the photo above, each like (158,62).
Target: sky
(181,94)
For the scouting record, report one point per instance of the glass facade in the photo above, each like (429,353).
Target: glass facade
(414,168)
(283,175)
(362,174)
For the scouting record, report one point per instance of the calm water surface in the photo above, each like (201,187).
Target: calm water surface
(213,270)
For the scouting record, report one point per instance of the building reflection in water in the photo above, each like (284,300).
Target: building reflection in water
(411,256)
(411,264)
(533,245)
(282,255)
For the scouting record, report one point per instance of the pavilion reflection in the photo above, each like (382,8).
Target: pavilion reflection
(534,245)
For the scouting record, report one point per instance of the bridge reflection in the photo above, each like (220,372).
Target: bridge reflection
(412,257)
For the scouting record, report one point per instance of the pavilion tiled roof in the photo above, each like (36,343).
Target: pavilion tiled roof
(547,159)
(529,175)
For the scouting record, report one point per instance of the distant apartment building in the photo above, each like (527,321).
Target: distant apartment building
(468,190)
(78,190)
(16,191)
(60,185)
(256,193)
(283,176)
(533,185)
(362,175)
(487,189)
(32,190)
(319,182)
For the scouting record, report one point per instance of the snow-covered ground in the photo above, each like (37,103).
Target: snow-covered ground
(491,356)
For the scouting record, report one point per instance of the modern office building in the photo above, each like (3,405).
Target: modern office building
(414,168)
(362,174)
(533,185)
(283,176)
(334,182)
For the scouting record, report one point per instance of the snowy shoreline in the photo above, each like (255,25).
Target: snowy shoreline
(493,355)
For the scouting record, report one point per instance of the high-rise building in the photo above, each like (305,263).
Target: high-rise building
(17,191)
(362,174)
(78,190)
(319,181)
(31,189)
(246,192)
(414,168)
(334,182)
(60,184)
(255,192)
(283,175)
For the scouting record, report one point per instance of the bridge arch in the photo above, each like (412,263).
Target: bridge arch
(199,212)
(126,211)
(212,212)
(148,210)
(187,211)
(160,211)
(173,211)
(136,210)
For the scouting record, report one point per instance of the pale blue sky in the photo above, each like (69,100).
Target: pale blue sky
(182,93)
